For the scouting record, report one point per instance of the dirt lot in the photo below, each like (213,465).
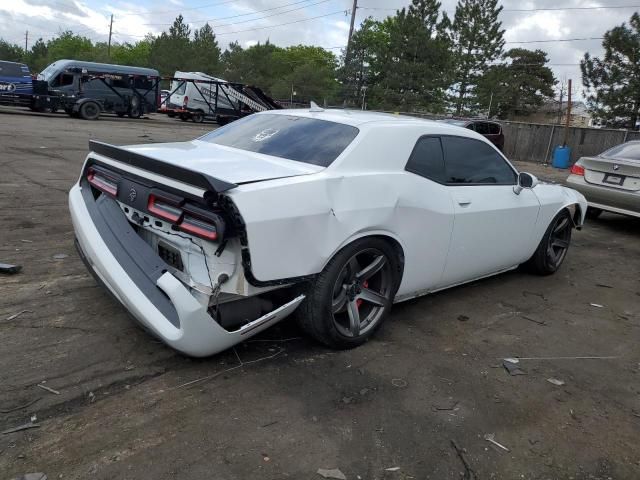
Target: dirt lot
(281,406)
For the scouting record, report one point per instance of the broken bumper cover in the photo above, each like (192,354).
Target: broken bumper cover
(182,323)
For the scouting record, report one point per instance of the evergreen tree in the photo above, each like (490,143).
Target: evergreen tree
(517,87)
(477,38)
(416,59)
(38,56)
(205,50)
(361,68)
(612,83)
(10,52)
(172,51)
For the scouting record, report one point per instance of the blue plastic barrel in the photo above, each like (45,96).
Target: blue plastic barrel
(561,157)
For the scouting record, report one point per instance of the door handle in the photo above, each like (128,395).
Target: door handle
(463,202)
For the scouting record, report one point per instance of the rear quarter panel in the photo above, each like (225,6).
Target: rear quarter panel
(296,225)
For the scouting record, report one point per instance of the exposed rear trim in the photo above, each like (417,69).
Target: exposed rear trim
(166,169)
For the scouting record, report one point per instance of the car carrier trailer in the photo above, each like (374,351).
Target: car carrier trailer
(197,96)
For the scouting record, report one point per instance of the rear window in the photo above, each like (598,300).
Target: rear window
(307,140)
(13,70)
(629,151)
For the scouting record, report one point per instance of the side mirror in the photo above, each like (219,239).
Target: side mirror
(525,180)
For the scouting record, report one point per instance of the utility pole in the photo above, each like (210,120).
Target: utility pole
(560,105)
(26,40)
(566,127)
(109,45)
(353,21)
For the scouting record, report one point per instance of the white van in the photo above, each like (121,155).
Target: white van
(197,95)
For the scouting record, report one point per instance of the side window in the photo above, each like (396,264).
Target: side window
(494,129)
(427,159)
(63,80)
(121,82)
(482,128)
(181,89)
(473,161)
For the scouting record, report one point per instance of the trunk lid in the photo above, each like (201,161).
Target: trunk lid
(225,163)
(616,173)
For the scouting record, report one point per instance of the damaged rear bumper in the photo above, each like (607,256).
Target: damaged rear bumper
(134,274)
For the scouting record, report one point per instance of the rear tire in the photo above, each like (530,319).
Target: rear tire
(593,213)
(89,111)
(350,299)
(553,247)
(198,117)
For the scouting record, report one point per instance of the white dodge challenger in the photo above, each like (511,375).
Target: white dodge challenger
(333,214)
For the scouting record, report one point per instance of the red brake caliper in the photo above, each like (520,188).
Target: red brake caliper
(365,284)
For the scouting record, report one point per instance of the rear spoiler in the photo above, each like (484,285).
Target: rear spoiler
(160,167)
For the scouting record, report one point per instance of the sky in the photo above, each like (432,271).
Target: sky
(313,22)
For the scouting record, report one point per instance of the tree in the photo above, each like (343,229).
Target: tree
(137,54)
(172,51)
(310,71)
(205,52)
(517,87)
(477,36)
(361,67)
(612,83)
(401,62)
(10,52)
(415,62)
(38,56)
(70,45)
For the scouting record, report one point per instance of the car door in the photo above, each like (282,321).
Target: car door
(427,216)
(493,225)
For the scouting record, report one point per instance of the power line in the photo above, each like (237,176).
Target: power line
(553,9)
(257,28)
(151,12)
(559,40)
(235,16)
(271,15)
(533,9)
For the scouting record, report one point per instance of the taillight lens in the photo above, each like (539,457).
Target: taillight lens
(103,182)
(199,228)
(165,207)
(577,169)
(185,102)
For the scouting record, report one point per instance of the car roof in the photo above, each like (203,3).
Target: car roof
(105,67)
(366,119)
(14,63)
(354,118)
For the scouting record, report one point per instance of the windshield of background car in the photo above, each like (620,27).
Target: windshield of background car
(629,151)
(307,140)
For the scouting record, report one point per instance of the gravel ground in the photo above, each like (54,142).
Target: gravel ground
(281,406)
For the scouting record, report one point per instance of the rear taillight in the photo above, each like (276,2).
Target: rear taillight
(577,169)
(199,228)
(102,181)
(201,223)
(165,206)
(186,217)
(185,102)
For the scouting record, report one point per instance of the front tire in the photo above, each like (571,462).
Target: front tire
(351,297)
(553,247)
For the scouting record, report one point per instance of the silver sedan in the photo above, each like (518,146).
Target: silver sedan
(610,181)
